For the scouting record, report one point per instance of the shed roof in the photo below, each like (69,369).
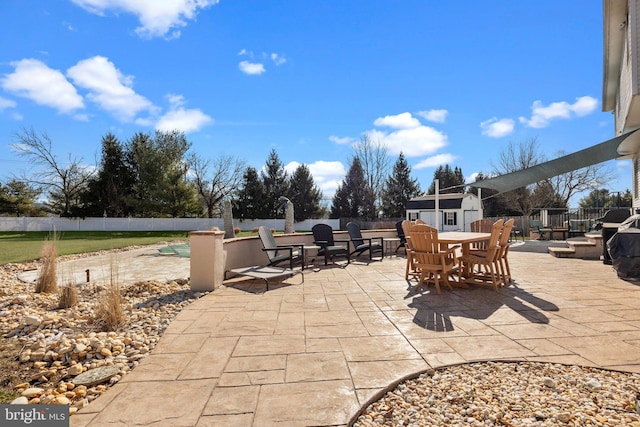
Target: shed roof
(445,201)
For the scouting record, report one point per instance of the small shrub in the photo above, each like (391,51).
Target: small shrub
(236,230)
(273,230)
(255,229)
(48,279)
(68,296)
(108,311)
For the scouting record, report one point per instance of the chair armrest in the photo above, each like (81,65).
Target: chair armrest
(292,245)
(287,248)
(342,241)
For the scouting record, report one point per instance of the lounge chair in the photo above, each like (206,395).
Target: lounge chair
(323,237)
(278,254)
(364,244)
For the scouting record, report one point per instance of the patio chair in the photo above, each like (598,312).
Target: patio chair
(364,244)
(278,254)
(503,262)
(482,225)
(430,260)
(323,237)
(537,227)
(411,269)
(484,260)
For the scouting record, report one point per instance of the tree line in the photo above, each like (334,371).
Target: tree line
(155,175)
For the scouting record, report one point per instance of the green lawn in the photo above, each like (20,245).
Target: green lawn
(26,246)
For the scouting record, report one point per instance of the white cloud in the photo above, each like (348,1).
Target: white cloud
(157,18)
(440,159)
(278,59)
(418,141)
(183,120)
(175,100)
(471,178)
(437,116)
(34,80)
(542,115)
(109,88)
(341,140)
(327,176)
(497,128)
(6,103)
(251,68)
(584,105)
(399,121)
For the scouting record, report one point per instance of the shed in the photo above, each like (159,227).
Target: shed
(457,210)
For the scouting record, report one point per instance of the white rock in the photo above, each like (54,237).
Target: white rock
(593,383)
(33,320)
(22,400)
(32,392)
(75,369)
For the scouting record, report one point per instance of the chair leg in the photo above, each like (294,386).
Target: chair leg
(437,282)
(505,263)
(494,279)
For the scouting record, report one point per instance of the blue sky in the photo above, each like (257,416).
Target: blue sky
(445,82)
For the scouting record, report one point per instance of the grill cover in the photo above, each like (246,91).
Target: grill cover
(624,248)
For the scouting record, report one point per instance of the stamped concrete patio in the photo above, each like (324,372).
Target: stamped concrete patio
(313,354)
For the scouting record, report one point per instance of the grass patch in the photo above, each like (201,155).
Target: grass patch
(26,246)
(7,397)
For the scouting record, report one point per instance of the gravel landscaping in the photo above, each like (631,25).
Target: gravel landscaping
(43,348)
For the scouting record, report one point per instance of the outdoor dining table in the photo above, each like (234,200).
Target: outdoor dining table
(464,239)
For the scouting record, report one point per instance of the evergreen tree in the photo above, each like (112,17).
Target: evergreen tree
(399,189)
(251,197)
(109,191)
(304,194)
(160,169)
(447,178)
(355,197)
(340,204)
(18,198)
(276,184)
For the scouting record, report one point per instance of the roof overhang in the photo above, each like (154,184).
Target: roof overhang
(620,147)
(615,17)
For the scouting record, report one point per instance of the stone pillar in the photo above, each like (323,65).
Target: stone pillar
(288,218)
(227,216)
(207,260)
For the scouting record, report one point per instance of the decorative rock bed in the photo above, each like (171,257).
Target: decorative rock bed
(509,394)
(61,346)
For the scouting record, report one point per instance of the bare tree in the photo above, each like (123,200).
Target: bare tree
(214,181)
(515,157)
(552,192)
(64,180)
(589,178)
(376,164)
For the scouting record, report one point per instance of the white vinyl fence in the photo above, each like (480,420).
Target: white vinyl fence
(146,224)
